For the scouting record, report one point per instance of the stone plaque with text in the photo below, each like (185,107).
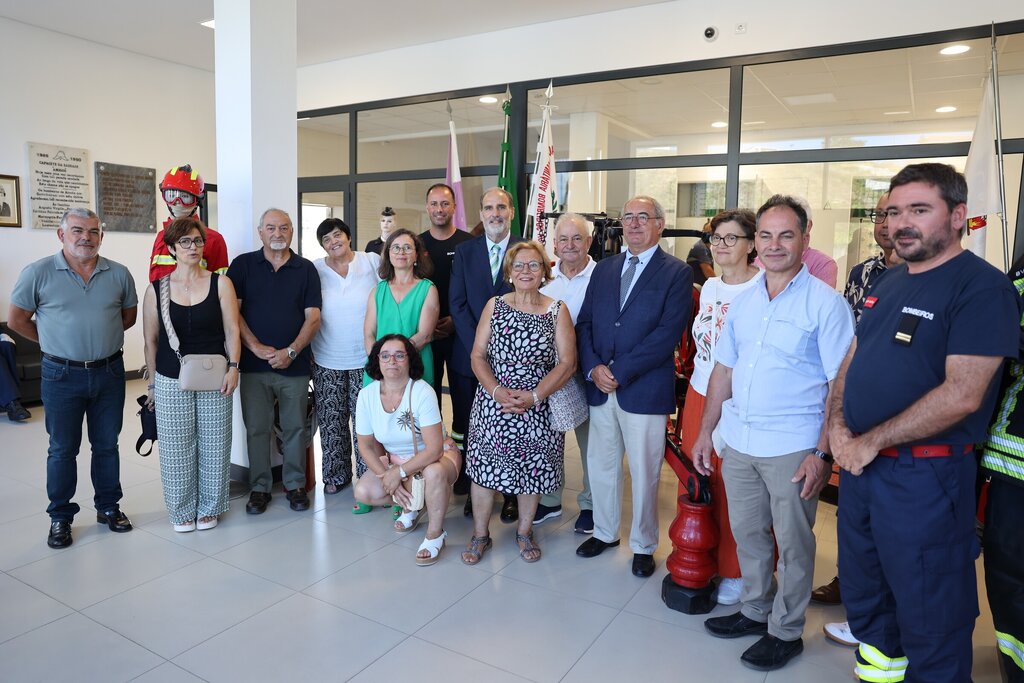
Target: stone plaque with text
(126,197)
(58,180)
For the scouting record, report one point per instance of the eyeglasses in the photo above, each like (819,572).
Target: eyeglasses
(641,218)
(575,239)
(402,248)
(877,217)
(185,242)
(534,266)
(729,239)
(172,196)
(397,356)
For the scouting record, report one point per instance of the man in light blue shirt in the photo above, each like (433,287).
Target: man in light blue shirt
(783,343)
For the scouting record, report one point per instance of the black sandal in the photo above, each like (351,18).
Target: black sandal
(526,545)
(478,545)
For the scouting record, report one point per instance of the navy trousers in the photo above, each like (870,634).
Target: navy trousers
(9,389)
(907,547)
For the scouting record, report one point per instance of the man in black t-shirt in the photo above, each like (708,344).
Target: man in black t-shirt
(440,241)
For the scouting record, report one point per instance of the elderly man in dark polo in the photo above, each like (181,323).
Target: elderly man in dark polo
(279,295)
(82,304)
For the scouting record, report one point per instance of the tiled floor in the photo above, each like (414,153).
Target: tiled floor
(326,595)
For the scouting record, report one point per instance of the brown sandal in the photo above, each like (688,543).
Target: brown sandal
(527,547)
(478,545)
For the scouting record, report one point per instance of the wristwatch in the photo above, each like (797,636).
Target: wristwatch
(292,353)
(826,457)
(401,471)
(232,364)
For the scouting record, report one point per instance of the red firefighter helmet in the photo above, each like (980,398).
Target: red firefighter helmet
(185,179)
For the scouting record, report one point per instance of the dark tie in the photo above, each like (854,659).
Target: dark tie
(627,280)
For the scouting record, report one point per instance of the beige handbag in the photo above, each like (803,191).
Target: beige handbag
(418,485)
(199,371)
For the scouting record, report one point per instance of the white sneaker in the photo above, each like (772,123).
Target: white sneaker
(840,632)
(729,591)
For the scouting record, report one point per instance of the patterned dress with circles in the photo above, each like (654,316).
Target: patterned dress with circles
(507,452)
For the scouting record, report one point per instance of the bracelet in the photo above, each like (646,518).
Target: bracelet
(536,399)
(495,391)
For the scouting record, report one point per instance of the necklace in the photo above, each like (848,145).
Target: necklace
(390,403)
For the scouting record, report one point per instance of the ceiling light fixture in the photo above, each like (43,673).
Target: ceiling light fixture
(753,123)
(208,23)
(895,113)
(488,99)
(945,110)
(954,50)
(719,124)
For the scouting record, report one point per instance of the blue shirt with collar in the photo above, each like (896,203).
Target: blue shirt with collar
(783,353)
(645,258)
(274,305)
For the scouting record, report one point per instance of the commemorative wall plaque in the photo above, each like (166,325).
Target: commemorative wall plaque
(58,180)
(126,197)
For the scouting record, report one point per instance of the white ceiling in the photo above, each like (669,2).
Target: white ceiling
(327,29)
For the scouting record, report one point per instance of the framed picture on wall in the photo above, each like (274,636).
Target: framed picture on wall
(10,201)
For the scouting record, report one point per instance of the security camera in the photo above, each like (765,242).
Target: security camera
(710,33)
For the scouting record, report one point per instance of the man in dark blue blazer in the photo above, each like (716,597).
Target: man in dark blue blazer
(635,311)
(475,280)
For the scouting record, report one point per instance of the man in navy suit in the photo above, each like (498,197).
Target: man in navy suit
(635,311)
(476,277)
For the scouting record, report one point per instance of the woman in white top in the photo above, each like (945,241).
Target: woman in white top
(400,434)
(732,242)
(346,278)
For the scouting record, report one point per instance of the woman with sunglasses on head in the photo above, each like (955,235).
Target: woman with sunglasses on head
(525,350)
(732,242)
(346,279)
(404,302)
(400,435)
(194,426)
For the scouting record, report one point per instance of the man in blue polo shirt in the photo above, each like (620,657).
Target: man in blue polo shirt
(914,394)
(279,297)
(82,304)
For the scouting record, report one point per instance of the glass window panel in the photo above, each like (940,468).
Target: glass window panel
(416,136)
(316,206)
(408,199)
(662,115)
(323,145)
(840,194)
(211,208)
(875,98)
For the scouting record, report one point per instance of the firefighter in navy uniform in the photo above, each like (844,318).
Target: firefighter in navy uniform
(182,189)
(1002,462)
(913,396)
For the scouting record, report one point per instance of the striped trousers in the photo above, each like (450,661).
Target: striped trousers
(194,429)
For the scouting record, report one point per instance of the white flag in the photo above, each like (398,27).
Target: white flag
(453,177)
(982,173)
(544,193)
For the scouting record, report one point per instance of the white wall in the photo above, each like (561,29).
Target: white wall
(654,34)
(124,108)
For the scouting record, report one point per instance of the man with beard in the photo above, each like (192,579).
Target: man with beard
(279,297)
(913,395)
(440,242)
(476,278)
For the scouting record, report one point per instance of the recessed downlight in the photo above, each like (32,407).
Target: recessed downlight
(954,50)
(488,99)
(944,110)
(719,124)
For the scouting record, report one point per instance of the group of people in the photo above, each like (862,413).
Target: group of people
(895,383)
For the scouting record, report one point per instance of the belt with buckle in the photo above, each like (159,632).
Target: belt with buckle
(87,364)
(940,450)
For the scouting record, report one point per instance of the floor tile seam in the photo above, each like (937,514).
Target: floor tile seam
(31,484)
(571,596)
(39,626)
(163,660)
(251,573)
(221,550)
(178,666)
(357,615)
(139,585)
(471,657)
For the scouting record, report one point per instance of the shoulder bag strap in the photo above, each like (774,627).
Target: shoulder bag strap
(165,313)
(412,421)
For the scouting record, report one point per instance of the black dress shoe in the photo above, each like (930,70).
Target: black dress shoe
(771,653)
(17,412)
(467,511)
(115,520)
(258,501)
(60,534)
(643,565)
(297,499)
(510,509)
(734,626)
(592,547)
(828,594)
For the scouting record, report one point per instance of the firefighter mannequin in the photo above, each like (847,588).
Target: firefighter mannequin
(182,190)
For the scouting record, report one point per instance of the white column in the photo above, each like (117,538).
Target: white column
(255,76)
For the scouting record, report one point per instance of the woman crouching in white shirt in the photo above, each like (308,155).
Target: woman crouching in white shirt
(398,421)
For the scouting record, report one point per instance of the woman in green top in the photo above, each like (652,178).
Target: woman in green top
(404,302)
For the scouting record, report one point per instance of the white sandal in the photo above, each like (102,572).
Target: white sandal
(185,527)
(407,521)
(434,547)
(204,523)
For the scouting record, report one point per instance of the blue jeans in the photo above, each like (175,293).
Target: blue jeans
(70,394)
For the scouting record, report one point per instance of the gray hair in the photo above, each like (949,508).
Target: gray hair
(77,212)
(580,221)
(263,216)
(658,211)
(807,206)
(508,197)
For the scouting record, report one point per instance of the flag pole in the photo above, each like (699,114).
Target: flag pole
(999,152)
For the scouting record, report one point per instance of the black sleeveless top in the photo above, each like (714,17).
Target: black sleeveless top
(200,329)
